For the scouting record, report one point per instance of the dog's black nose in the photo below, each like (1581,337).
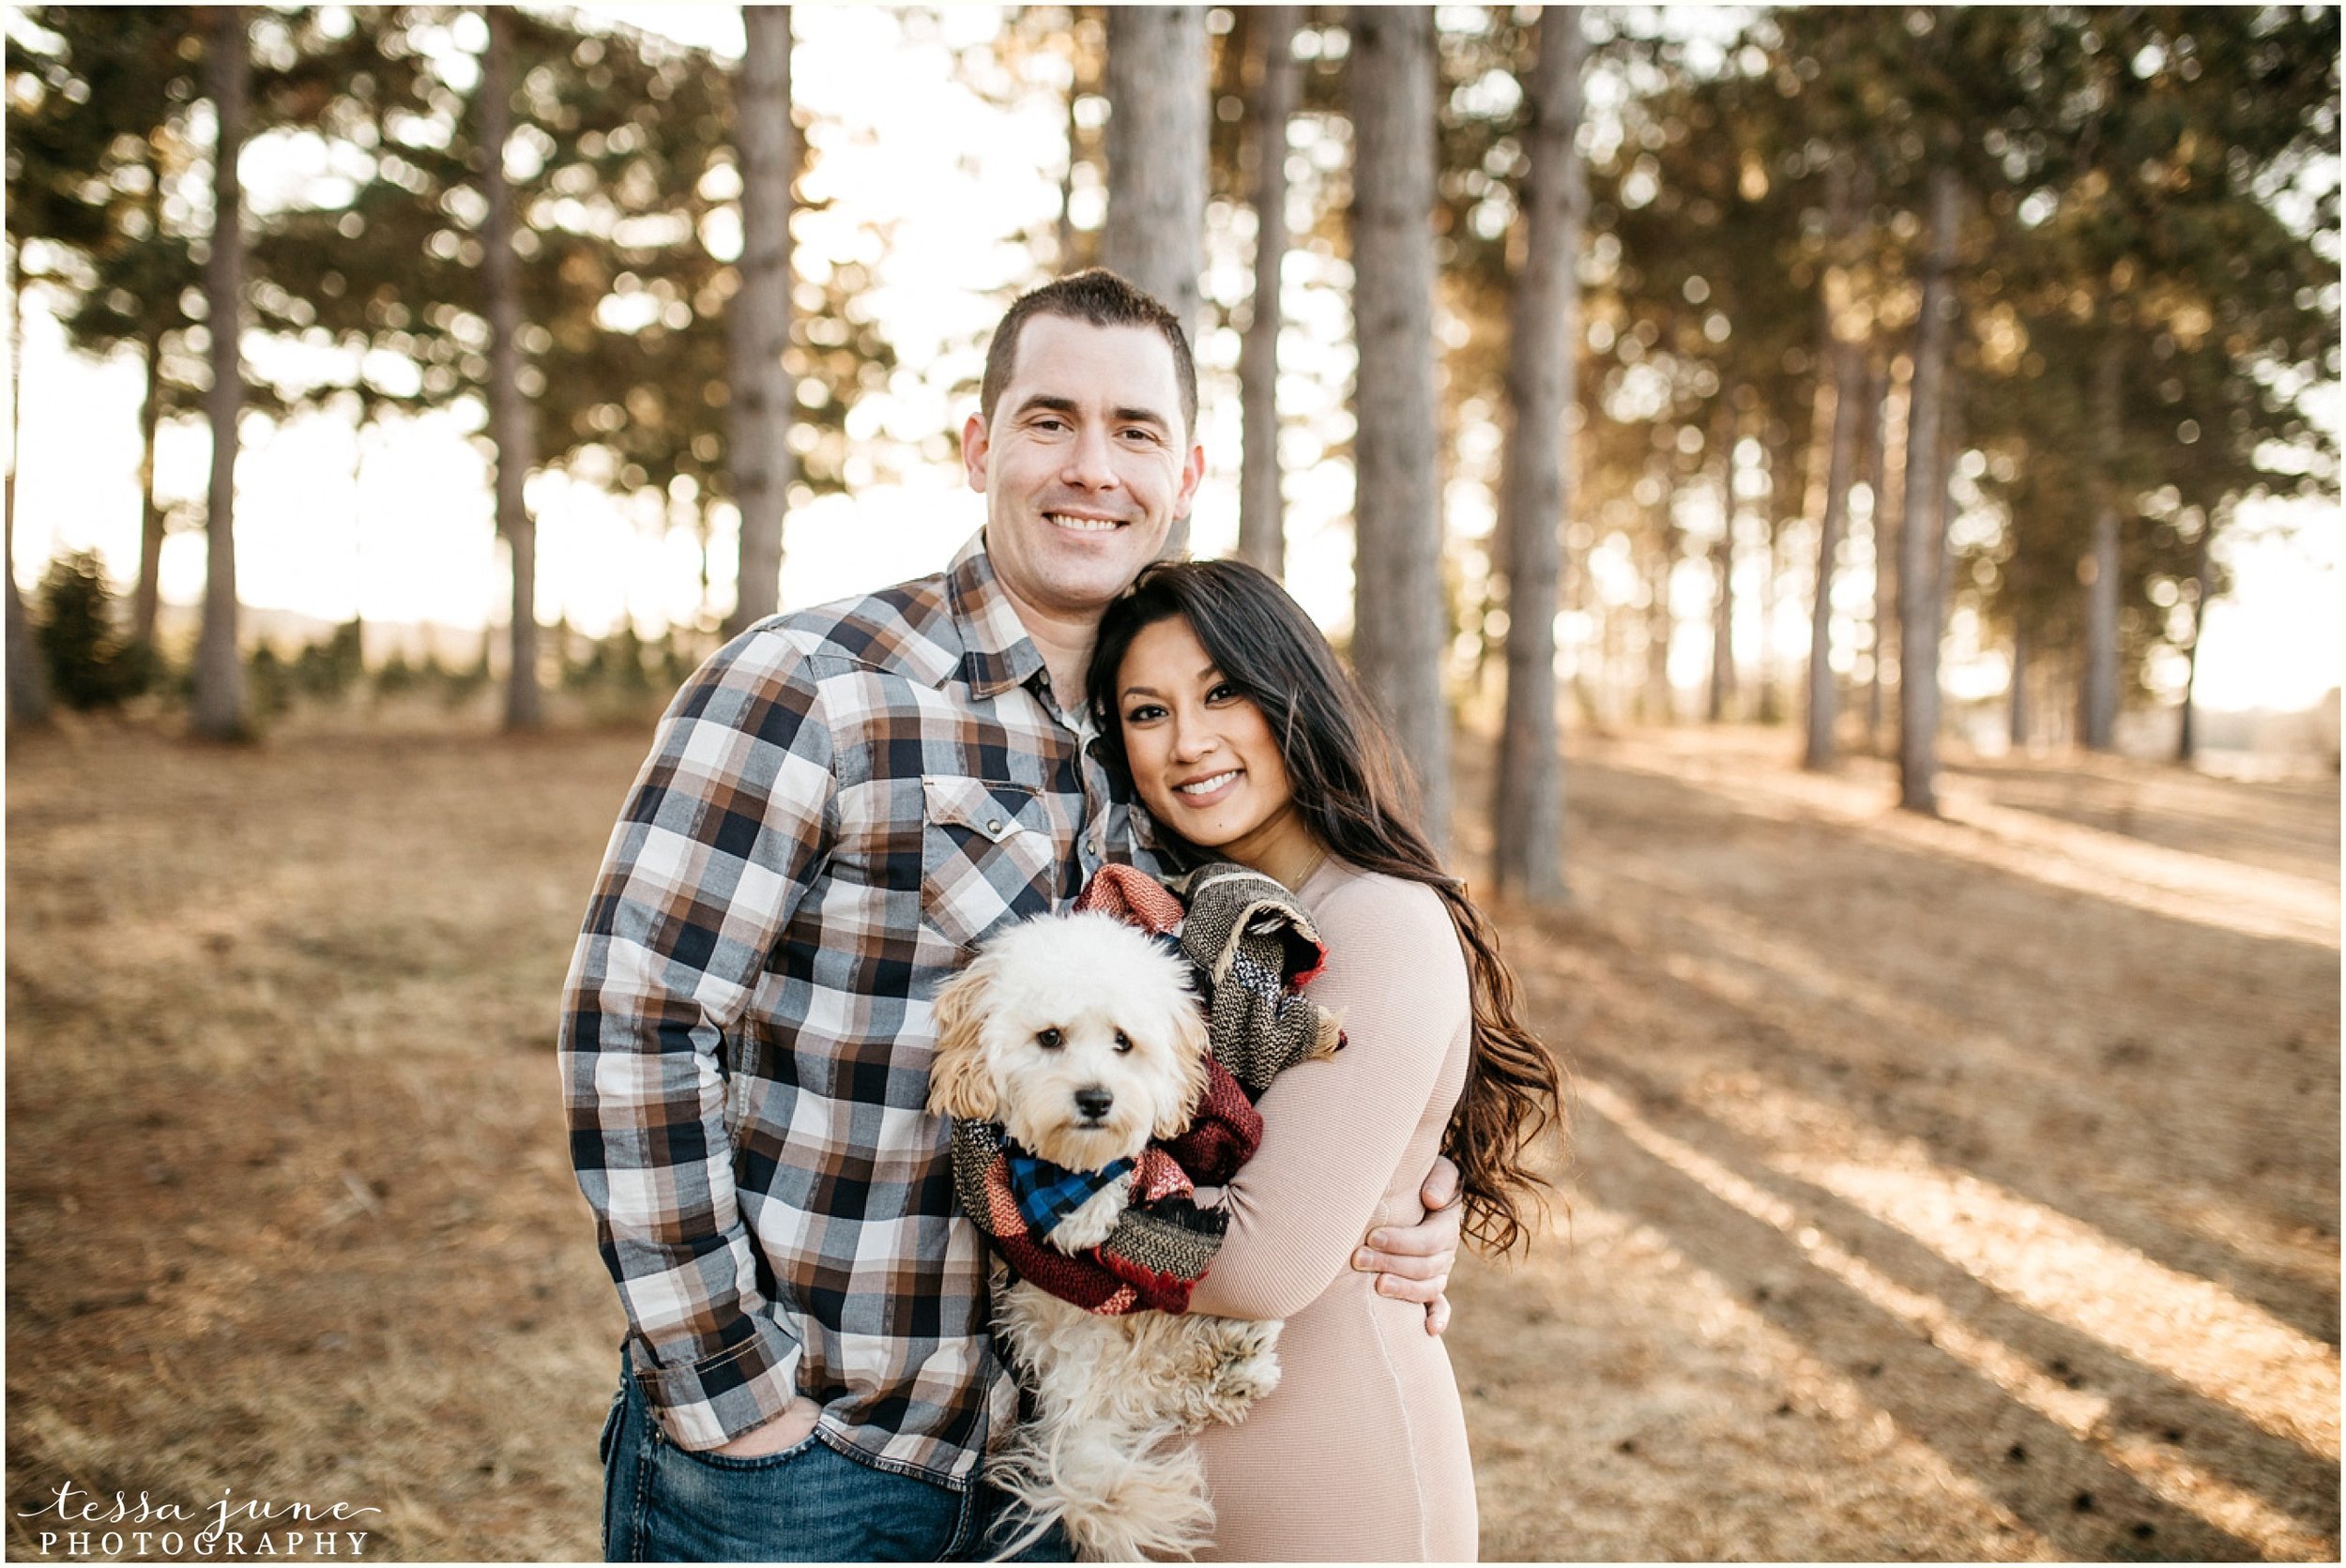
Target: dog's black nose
(1094,1101)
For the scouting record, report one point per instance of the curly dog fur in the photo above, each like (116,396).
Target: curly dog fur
(1082,1038)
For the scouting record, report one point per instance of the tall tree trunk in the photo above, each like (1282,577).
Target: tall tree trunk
(1272,89)
(1723,437)
(509,412)
(2016,694)
(1921,582)
(1722,625)
(2203,585)
(1065,229)
(358,532)
(29,681)
(2099,707)
(759,331)
(1158,102)
(1771,585)
(1080,247)
(1543,334)
(1400,622)
(1843,369)
(146,597)
(1660,703)
(218,711)
(1886,541)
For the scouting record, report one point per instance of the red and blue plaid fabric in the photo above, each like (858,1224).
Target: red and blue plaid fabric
(1046,1193)
(836,807)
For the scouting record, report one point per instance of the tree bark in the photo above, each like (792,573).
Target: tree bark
(1843,369)
(1080,247)
(2203,584)
(1771,582)
(1400,624)
(1886,541)
(1156,151)
(2016,694)
(218,710)
(28,680)
(1921,580)
(761,463)
(1528,813)
(1722,625)
(1661,624)
(509,412)
(1723,564)
(146,597)
(1272,82)
(1158,102)
(2099,706)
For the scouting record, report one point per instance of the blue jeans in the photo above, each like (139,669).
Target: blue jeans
(809,1504)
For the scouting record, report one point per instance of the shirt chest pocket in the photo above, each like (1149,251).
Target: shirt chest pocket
(986,856)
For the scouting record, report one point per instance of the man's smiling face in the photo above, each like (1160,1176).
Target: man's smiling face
(1086,464)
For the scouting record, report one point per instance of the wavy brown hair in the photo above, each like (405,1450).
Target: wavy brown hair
(1351,789)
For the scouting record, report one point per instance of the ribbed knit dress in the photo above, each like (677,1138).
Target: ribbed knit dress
(1361,1452)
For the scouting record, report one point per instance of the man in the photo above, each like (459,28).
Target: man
(836,807)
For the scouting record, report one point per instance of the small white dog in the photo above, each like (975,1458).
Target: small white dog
(1081,1037)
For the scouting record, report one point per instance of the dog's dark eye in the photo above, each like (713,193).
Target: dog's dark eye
(1123,1041)
(1049,1039)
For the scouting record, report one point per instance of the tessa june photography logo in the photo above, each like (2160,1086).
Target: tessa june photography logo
(74,1523)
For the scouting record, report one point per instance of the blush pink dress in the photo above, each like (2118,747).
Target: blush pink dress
(1360,1453)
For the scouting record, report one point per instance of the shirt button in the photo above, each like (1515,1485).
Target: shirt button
(994,825)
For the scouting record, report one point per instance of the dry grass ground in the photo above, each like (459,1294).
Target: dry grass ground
(1956,1189)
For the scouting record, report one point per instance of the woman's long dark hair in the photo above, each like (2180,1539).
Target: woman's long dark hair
(1352,790)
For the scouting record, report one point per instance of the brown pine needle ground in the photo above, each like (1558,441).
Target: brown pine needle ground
(1955,1189)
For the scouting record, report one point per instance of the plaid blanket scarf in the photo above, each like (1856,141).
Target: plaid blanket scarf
(1252,947)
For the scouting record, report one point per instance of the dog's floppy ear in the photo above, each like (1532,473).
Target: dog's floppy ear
(1191,1044)
(959,1084)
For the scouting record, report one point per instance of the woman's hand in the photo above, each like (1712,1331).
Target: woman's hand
(1412,1262)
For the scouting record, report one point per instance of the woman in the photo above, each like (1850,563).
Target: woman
(1248,742)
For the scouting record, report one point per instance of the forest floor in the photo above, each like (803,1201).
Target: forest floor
(1944,1189)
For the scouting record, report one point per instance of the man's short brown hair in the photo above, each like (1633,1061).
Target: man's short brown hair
(1103,298)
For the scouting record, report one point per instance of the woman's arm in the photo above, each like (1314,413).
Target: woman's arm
(1335,1130)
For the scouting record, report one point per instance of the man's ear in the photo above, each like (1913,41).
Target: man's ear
(1193,471)
(974,445)
(959,1084)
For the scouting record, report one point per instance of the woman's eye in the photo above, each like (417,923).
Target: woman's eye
(1123,1041)
(1223,693)
(1143,714)
(1049,1039)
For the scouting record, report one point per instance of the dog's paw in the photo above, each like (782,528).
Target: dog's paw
(1250,1368)
(1233,1363)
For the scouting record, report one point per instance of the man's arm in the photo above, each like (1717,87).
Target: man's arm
(725,826)
(1412,1262)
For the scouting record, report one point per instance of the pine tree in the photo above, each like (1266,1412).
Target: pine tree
(1528,810)
(1400,622)
(218,709)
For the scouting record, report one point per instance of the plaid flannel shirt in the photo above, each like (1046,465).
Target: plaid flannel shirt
(836,807)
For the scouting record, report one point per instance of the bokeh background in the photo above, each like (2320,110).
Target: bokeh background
(1842,504)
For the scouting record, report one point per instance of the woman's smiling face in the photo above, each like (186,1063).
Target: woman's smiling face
(1203,756)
